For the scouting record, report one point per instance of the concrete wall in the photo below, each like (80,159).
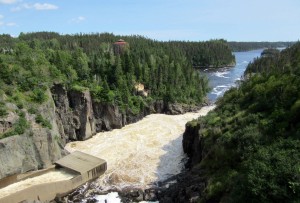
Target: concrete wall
(44,192)
(18,177)
(48,191)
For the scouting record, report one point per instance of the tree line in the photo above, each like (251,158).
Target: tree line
(247,46)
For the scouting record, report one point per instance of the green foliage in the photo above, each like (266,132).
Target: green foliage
(251,144)
(44,122)
(214,53)
(3,109)
(78,88)
(32,110)
(21,126)
(39,95)
(271,52)
(18,98)
(18,128)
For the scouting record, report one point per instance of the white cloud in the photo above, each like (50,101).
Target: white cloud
(78,19)
(44,6)
(7,1)
(11,24)
(1,16)
(36,6)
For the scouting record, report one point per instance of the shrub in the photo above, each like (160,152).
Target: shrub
(18,128)
(3,110)
(79,88)
(38,95)
(44,122)
(32,110)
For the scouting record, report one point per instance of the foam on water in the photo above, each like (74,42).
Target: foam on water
(229,76)
(112,197)
(221,74)
(140,154)
(220,89)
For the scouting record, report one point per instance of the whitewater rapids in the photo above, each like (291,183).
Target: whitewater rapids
(140,154)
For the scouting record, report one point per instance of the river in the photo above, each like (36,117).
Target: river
(141,154)
(224,78)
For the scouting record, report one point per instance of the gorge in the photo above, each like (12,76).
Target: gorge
(47,103)
(150,151)
(60,88)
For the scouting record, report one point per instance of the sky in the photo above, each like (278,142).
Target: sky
(193,20)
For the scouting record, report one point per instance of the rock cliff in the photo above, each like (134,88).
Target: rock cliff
(192,143)
(38,147)
(191,183)
(73,115)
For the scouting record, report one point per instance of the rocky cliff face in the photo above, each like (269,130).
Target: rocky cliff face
(192,143)
(38,147)
(191,183)
(79,117)
(73,116)
(74,113)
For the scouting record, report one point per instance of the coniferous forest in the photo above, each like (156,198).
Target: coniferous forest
(246,46)
(33,62)
(250,144)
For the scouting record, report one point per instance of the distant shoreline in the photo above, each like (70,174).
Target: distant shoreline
(214,67)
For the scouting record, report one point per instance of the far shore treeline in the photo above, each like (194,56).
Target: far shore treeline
(247,46)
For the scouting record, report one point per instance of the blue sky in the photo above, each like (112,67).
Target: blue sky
(195,20)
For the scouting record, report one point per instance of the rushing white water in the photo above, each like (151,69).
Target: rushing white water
(48,177)
(112,197)
(142,153)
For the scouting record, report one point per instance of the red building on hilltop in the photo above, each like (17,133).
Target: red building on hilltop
(120,46)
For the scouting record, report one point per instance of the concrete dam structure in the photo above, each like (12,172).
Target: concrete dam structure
(66,175)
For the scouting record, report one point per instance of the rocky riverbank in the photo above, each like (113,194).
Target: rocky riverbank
(174,189)
(72,116)
(142,171)
(191,183)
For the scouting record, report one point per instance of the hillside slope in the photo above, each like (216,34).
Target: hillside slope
(248,148)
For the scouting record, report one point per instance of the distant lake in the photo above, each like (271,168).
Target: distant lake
(223,79)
